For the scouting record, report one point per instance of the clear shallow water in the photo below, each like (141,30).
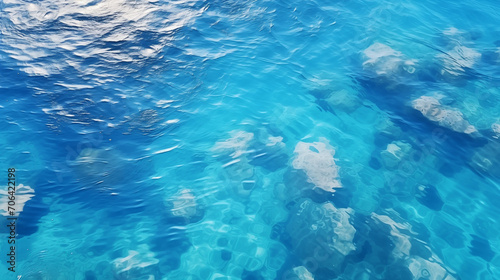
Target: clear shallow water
(253,140)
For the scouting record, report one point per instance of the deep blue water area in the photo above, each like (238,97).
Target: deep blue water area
(251,139)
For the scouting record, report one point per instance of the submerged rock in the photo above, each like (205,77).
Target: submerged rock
(320,234)
(240,175)
(460,58)
(496,129)
(235,146)
(395,153)
(385,61)
(141,265)
(183,204)
(298,273)
(401,244)
(237,170)
(343,100)
(421,267)
(316,160)
(426,269)
(453,36)
(244,153)
(450,118)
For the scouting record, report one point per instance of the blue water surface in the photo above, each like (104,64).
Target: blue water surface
(251,139)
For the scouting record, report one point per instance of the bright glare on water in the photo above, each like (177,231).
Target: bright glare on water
(224,139)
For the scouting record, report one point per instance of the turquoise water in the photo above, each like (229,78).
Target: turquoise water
(251,139)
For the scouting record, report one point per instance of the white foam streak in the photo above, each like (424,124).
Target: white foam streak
(166,150)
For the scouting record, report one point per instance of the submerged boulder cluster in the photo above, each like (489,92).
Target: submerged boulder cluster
(268,209)
(385,67)
(456,102)
(324,239)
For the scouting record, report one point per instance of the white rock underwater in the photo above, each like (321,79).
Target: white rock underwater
(460,58)
(432,109)
(385,61)
(183,204)
(316,160)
